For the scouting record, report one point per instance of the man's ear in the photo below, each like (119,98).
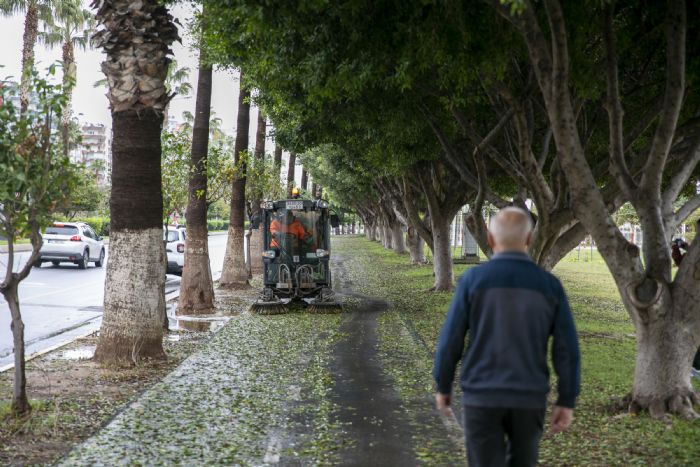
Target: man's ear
(529,240)
(490,240)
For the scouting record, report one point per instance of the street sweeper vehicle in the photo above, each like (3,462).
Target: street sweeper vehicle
(296,256)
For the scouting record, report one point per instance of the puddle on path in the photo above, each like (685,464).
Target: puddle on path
(199,323)
(84,352)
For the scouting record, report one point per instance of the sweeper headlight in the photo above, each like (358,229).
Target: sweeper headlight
(267,205)
(322,204)
(269,254)
(320,253)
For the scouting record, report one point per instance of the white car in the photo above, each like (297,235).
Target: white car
(73,242)
(175,249)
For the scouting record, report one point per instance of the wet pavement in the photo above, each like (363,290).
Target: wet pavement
(62,303)
(293,390)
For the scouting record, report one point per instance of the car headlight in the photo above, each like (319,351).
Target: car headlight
(322,204)
(269,254)
(267,205)
(320,253)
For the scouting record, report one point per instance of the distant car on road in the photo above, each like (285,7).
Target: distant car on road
(175,248)
(73,242)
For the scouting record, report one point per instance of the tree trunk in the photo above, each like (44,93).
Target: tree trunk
(234,274)
(386,235)
(31,30)
(415,246)
(397,239)
(134,300)
(369,231)
(69,77)
(442,255)
(196,287)
(290,173)
(665,350)
(20,403)
(278,160)
(255,237)
(304,179)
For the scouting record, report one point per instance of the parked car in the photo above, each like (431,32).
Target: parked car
(73,242)
(175,249)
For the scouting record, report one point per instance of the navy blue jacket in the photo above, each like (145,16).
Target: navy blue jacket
(510,307)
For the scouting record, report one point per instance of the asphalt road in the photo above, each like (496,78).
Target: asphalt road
(63,302)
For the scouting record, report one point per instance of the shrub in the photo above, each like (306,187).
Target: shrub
(100,224)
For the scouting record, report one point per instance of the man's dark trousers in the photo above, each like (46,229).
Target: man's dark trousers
(497,437)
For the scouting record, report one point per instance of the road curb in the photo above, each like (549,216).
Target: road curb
(168,297)
(48,350)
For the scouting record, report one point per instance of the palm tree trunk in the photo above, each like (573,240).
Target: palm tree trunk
(234,274)
(31,30)
(137,45)
(304,179)
(256,235)
(278,160)
(69,77)
(290,172)
(132,324)
(196,288)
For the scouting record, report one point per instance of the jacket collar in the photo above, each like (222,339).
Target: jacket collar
(517,255)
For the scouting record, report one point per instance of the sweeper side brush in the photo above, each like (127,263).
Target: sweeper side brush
(269,308)
(268,304)
(324,303)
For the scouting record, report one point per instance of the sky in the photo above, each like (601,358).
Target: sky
(90,104)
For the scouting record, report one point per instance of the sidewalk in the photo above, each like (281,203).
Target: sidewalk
(295,389)
(257,393)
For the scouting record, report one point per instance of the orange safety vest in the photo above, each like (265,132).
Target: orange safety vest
(296,228)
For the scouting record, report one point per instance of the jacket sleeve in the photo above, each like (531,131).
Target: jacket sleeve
(565,353)
(451,342)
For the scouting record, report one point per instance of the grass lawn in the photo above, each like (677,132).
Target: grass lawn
(21,241)
(598,437)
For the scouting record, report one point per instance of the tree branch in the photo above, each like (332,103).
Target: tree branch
(680,179)
(673,98)
(412,211)
(618,165)
(684,211)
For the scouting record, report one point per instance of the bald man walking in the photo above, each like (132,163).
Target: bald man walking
(510,307)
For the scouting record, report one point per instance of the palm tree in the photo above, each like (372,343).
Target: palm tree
(234,273)
(177,82)
(137,46)
(71,29)
(34,11)
(278,159)
(196,287)
(255,244)
(290,172)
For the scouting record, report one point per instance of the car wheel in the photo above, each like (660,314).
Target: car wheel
(83,263)
(55,263)
(101,261)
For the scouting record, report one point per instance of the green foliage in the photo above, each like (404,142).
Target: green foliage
(36,179)
(626,214)
(87,195)
(217,224)
(176,158)
(175,166)
(100,224)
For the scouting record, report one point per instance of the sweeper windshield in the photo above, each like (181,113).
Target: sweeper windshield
(297,237)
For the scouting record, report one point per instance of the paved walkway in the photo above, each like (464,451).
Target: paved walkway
(292,389)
